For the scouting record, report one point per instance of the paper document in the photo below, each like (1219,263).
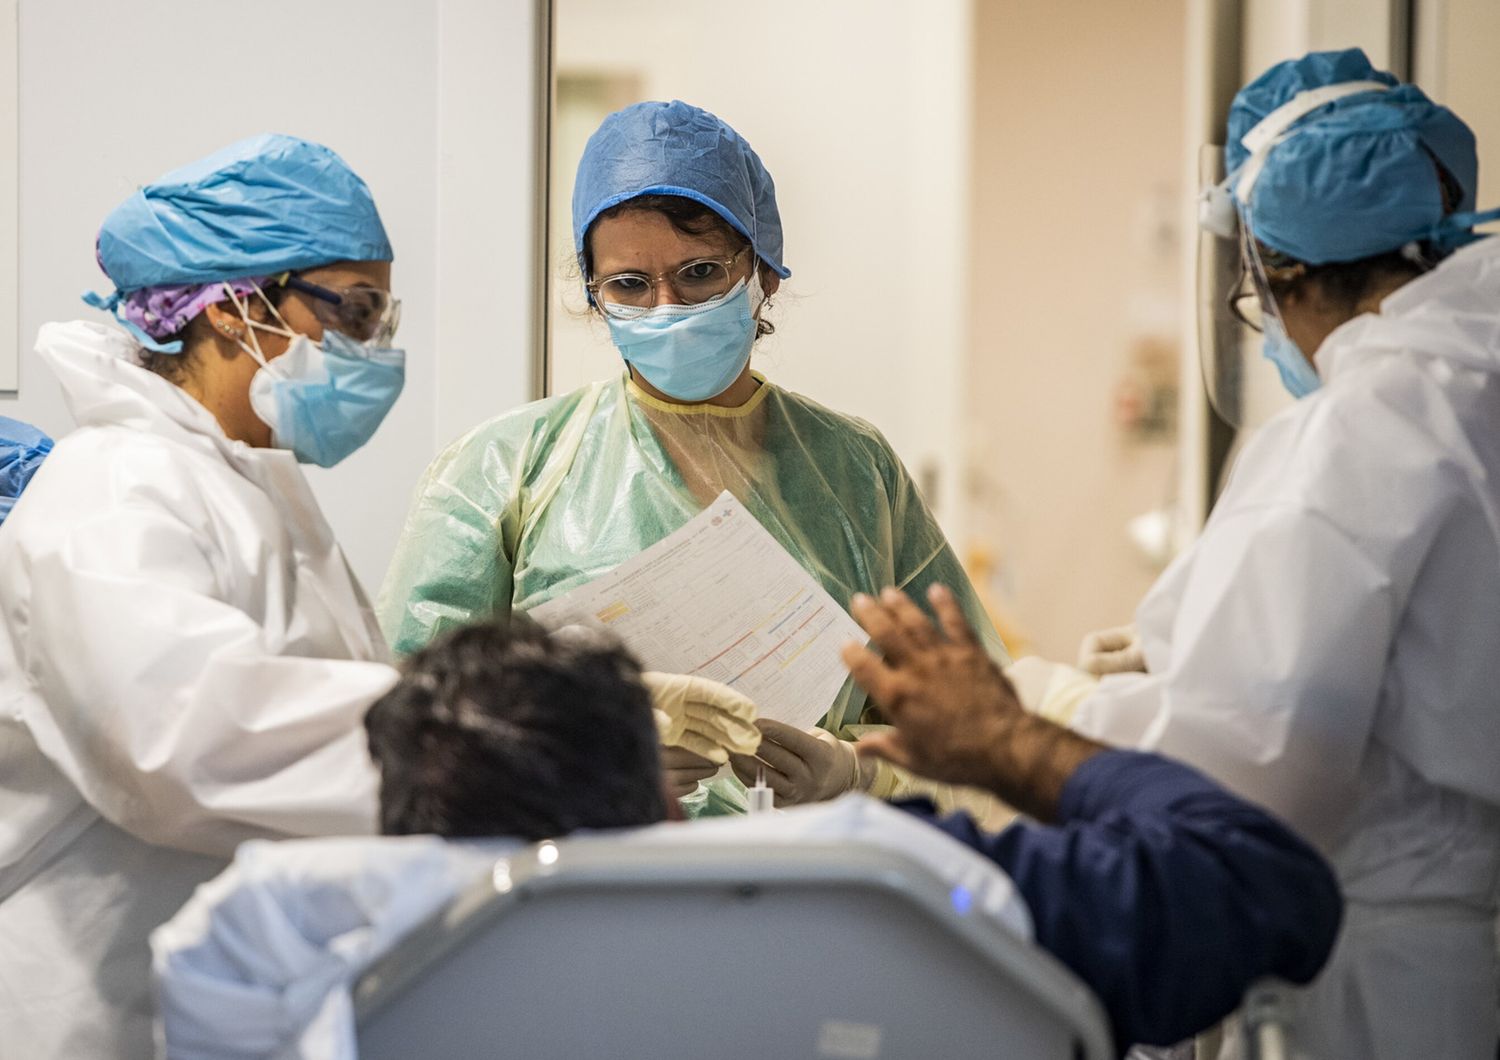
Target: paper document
(720,598)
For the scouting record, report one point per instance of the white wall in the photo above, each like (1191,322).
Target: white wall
(859,109)
(9,213)
(431,102)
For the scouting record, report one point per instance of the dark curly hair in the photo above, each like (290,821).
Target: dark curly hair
(504,730)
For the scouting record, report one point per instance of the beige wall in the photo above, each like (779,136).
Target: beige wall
(1077,155)
(1469,82)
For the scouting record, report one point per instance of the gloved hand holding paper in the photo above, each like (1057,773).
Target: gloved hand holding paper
(709,719)
(720,598)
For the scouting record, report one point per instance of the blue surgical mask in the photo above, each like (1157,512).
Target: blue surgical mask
(692,352)
(1297,372)
(323,400)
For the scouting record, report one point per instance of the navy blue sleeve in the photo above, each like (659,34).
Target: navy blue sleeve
(1164,893)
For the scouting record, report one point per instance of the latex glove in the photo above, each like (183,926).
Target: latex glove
(1112,651)
(702,716)
(800,765)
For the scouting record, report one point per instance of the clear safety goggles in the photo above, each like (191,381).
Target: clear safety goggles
(1244,304)
(1253,302)
(626,295)
(365,314)
(370,331)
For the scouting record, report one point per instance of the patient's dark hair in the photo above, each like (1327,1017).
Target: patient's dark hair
(505,730)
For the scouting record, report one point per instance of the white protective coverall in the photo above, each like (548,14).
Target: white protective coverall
(185,662)
(1330,647)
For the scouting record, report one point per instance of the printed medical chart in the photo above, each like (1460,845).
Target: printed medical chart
(720,598)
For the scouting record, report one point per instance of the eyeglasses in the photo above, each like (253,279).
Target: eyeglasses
(1244,305)
(365,314)
(629,294)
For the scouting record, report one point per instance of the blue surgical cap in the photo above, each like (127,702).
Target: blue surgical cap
(22,449)
(678,149)
(1357,176)
(258,207)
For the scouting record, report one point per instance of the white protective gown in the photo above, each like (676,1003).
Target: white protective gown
(185,662)
(1330,647)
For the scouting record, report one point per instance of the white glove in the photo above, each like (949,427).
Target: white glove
(1112,651)
(711,720)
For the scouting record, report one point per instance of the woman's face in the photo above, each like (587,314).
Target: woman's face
(225,372)
(647,242)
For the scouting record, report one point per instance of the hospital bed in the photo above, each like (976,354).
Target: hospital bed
(847,930)
(595,947)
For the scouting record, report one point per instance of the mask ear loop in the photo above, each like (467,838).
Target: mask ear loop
(243,308)
(758,298)
(286,328)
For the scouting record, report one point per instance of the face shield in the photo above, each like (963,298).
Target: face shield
(1222,339)
(1251,303)
(1234,299)
(1256,307)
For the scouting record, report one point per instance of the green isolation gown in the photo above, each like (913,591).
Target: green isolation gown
(548,496)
